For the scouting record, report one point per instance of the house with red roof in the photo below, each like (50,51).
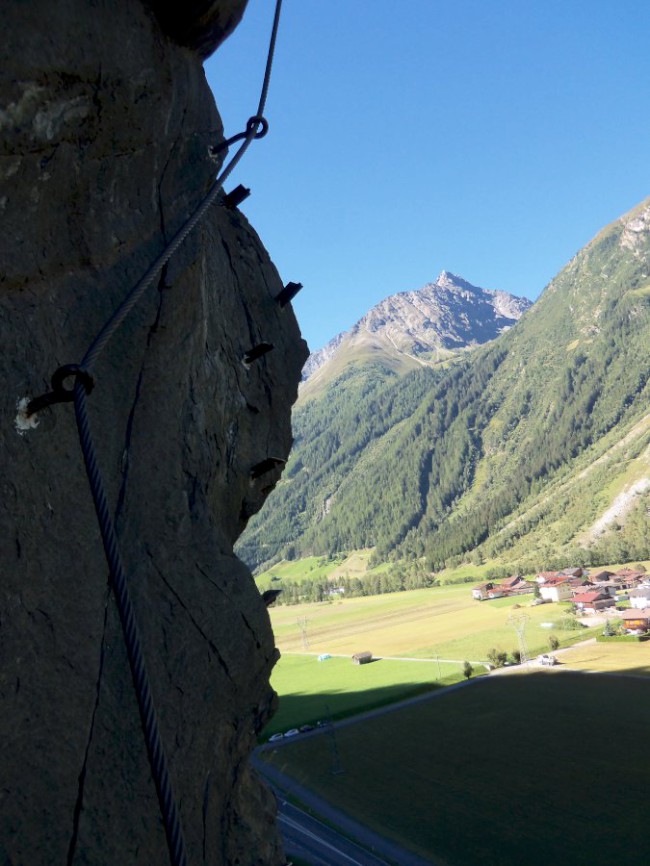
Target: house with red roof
(556,588)
(627,578)
(487,590)
(592,602)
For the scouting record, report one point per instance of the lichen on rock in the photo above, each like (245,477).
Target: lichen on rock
(106,122)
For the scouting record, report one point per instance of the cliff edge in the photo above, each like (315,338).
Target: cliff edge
(106,121)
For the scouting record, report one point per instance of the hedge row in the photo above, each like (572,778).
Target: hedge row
(622,638)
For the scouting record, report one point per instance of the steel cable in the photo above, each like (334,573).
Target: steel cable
(252,127)
(82,386)
(160,772)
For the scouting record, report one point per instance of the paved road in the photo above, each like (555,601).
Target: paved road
(318,844)
(368,848)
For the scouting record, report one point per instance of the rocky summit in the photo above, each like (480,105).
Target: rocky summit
(426,325)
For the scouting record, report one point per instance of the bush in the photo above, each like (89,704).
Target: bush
(553,642)
(568,623)
(497,658)
(622,638)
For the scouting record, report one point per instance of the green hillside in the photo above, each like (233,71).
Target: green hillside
(531,448)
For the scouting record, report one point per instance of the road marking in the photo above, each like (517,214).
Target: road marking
(299,827)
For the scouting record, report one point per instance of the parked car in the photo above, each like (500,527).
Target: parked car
(548,660)
(292,732)
(305,728)
(275,737)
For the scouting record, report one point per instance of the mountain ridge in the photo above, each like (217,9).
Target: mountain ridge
(516,449)
(426,324)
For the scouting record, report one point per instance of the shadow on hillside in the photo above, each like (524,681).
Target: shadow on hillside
(335,705)
(530,770)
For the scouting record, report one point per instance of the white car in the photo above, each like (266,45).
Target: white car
(292,732)
(275,737)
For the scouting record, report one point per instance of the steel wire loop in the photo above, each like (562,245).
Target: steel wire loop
(256,127)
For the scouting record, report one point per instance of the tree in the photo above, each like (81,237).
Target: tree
(468,670)
(608,631)
(553,642)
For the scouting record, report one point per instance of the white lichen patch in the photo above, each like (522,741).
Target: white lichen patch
(51,118)
(23,421)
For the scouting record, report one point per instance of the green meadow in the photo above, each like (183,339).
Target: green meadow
(312,691)
(517,770)
(442,621)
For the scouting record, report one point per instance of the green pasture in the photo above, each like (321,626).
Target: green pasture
(518,770)
(442,621)
(356,564)
(310,690)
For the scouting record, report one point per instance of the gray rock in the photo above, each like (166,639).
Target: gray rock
(447,315)
(105,124)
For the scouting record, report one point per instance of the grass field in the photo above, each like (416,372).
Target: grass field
(356,564)
(444,621)
(311,690)
(629,658)
(519,770)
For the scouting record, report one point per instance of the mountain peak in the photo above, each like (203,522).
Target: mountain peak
(424,326)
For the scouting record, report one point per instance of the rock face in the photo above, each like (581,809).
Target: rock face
(106,122)
(443,316)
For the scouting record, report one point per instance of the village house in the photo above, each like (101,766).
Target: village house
(487,590)
(578,584)
(628,578)
(514,585)
(636,620)
(592,602)
(543,576)
(572,572)
(599,576)
(640,597)
(555,588)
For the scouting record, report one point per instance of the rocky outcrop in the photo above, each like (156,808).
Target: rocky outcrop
(106,121)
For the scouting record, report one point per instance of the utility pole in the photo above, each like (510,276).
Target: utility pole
(519,621)
(303,622)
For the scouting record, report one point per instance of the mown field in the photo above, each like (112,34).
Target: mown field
(312,691)
(442,621)
(517,770)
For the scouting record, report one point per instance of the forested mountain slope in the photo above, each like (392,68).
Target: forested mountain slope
(416,329)
(535,445)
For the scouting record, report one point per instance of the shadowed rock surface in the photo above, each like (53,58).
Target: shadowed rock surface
(105,121)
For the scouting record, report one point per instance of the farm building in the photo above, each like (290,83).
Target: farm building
(514,585)
(599,576)
(628,578)
(636,620)
(362,658)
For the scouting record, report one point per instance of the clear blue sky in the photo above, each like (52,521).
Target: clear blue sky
(490,138)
